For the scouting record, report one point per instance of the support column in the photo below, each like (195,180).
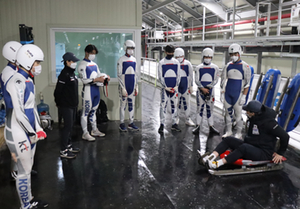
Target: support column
(259,60)
(294,66)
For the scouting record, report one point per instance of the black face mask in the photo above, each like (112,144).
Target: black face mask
(169,56)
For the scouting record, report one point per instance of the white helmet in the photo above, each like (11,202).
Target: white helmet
(179,52)
(233,48)
(10,50)
(207,52)
(129,43)
(28,54)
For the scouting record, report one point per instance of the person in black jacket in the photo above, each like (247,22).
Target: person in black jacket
(66,99)
(260,141)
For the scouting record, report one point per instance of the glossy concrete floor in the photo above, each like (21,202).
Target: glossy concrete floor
(147,170)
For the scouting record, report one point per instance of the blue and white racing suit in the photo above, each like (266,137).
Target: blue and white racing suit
(186,82)
(6,74)
(235,78)
(206,76)
(169,77)
(22,123)
(88,71)
(127,83)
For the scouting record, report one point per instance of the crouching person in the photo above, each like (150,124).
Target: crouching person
(259,143)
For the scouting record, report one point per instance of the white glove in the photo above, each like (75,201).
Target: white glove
(191,90)
(243,99)
(222,97)
(171,90)
(124,92)
(38,136)
(136,91)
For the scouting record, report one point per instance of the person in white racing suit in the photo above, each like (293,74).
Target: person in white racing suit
(22,125)
(235,82)
(128,85)
(169,78)
(9,52)
(185,88)
(91,78)
(206,77)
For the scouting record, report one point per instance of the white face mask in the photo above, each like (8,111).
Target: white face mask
(37,70)
(92,57)
(207,61)
(73,65)
(130,51)
(235,58)
(180,59)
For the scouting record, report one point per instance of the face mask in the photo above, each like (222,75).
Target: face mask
(180,59)
(92,57)
(169,56)
(234,58)
(73,65)
(130,51)
(206,61)
(37,70)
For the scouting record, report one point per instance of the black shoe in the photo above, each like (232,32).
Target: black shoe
(161,128)
(73,149)
(67,154)
(175,128)
(213,130)
(35,203)
(196,130)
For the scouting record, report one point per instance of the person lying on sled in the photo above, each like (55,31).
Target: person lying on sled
(259,143)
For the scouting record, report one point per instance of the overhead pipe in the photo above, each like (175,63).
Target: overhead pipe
(263,19)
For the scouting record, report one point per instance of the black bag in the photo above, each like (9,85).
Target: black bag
(101,113)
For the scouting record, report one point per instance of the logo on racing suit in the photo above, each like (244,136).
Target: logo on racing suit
(87,107)
(23,188)
(21,144)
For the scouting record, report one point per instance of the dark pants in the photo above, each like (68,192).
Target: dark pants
(241,150)
(68,115)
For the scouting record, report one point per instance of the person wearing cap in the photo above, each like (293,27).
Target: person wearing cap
(169,78)
(66,99)
(260,141)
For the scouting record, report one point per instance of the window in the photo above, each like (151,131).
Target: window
(108,42)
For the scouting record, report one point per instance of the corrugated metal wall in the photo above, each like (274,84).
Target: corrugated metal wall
(39,14)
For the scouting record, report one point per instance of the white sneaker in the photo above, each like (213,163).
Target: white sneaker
(177,120)
(228,133)
(189,122)
(238,135)
(88,137)
(212,164)
(97,133)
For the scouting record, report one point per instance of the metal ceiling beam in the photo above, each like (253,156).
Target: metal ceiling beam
(214,8)
(165,11)
(188,9)
(157,6)
(149,22)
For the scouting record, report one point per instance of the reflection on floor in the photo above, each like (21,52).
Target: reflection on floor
(147,170)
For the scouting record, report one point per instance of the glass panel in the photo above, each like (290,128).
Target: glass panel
(109,45)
